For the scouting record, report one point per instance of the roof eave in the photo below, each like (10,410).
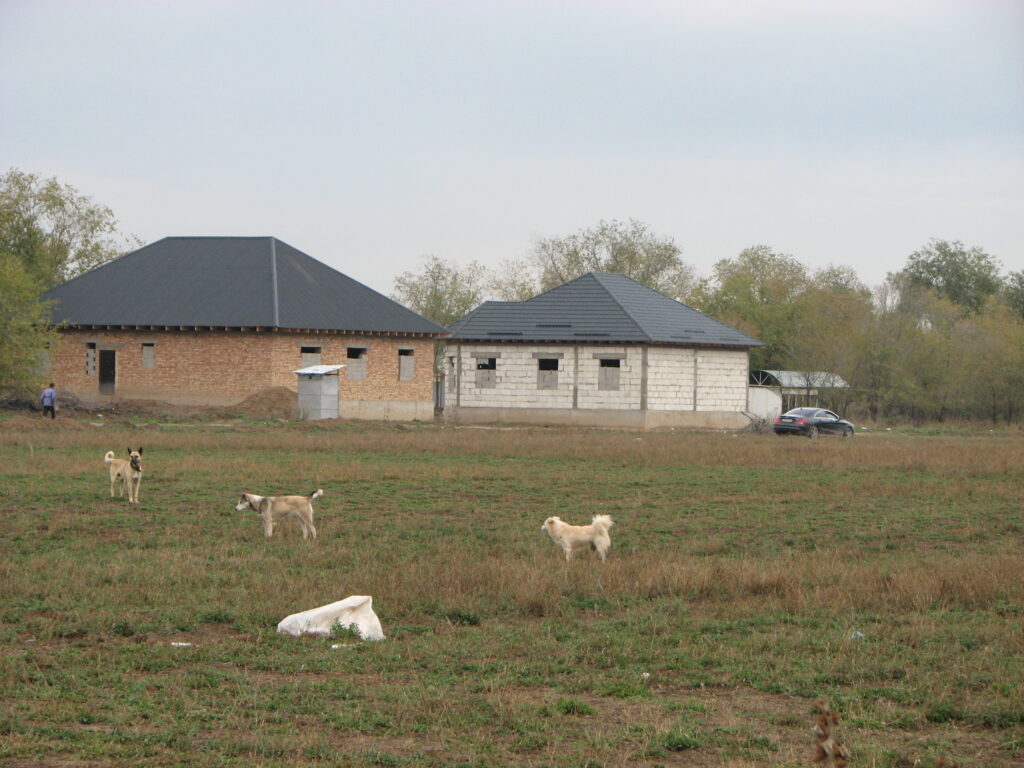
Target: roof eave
(640,342)
(236,328)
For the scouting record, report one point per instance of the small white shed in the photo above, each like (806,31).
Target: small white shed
(318,392)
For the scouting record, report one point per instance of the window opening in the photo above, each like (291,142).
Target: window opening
(547,373)
(356,357)
(486,372)
(310,356)
(405,365)
(608,374)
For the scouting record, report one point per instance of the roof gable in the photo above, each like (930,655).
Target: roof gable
(598,307)
(231,282)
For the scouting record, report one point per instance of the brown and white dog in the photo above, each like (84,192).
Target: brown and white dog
(271,508)
(125,473)
(573,537)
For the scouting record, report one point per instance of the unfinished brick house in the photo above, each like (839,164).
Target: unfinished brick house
(600,350)
(214,320)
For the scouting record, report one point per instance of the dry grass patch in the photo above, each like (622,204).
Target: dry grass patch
(748,576)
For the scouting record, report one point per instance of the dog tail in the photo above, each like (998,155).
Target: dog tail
(316,494)
(109,457)
(604,521)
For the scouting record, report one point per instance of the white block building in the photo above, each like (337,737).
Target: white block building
(600,350)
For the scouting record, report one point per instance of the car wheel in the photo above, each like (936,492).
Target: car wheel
(812,433)
(848,432)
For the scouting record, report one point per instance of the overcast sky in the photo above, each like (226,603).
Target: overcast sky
(369,134)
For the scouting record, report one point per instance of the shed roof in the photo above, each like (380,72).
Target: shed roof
(598,307)
(318,370)
(797,379)
(228,282)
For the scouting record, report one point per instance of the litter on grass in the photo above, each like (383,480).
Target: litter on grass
(355,613)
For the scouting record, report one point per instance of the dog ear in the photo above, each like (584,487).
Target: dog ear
(140,450)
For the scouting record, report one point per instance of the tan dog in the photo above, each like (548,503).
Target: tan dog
(827,747)
(572,537)
(125,473)
(272,508)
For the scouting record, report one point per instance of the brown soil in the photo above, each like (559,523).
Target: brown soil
(278,403)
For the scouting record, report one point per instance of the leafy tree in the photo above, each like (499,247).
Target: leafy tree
(24,334)
(627,248)
(828,332)
(965,276)
(442,291)
(1013,293)
(993,351)
(761,293)
(53,230)
(840,280)
(514,280)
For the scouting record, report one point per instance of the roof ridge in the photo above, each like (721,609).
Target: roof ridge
(273,282)
(217,237)
(621,306)
(549,290)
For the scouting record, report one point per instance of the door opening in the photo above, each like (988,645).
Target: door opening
(108,369)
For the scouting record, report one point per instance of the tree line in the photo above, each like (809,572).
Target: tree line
(49,232)
(942,338)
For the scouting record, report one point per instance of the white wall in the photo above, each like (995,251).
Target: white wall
(722,380)
(678,379)
(765,402)
(670,378)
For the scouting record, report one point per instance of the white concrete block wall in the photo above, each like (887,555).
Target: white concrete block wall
(515,377)
(627,396)
(721,380)
(670,379)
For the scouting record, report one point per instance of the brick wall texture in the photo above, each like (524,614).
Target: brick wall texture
(225,367)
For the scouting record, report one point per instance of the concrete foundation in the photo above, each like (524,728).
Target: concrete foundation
(593,417)
(387,410)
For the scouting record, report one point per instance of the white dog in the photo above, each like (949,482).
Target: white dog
(271,508)
(572,537)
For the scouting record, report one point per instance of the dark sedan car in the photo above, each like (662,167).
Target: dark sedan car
(812,422)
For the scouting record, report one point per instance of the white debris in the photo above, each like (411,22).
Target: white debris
(857,636)
(181,645)
(355,612)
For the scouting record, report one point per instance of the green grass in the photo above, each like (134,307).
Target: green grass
(741,569)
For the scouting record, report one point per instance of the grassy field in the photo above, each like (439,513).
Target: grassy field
(749,576)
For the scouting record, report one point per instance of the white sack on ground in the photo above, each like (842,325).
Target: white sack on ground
(355,612)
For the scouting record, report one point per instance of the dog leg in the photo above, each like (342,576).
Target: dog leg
(268,526)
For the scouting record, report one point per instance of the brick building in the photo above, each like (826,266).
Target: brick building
(600,350)
(214,320)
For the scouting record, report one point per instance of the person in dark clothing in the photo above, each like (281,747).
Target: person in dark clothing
(49,401)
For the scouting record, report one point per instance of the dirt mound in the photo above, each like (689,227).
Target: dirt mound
(273,403)
(278,403)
